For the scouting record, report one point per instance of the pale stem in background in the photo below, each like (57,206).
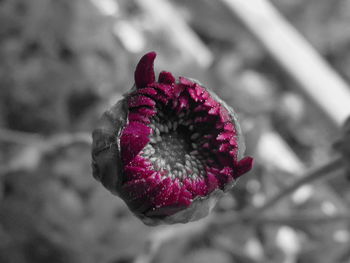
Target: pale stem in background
(177,30)
(299,59)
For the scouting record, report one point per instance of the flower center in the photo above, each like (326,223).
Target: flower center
(173,147)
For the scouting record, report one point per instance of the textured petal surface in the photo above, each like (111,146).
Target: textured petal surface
(133,140)
(166,77)
(138,101)
(244,166)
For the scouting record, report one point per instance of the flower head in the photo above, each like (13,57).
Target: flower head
(168,149)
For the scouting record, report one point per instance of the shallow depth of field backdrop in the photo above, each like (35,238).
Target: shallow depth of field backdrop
(63,62)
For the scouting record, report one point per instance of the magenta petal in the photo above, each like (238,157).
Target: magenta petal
(138,117)
(140,161)
(185,198)
(133,173)
(200,108)
(199,89)
(147,91)
(201,92)
(224,115)
(162,193)
(226,170)
(213,170)
(224,136)
(201,187)
(144,111)
(137,129)
(193,94)
(225,176)
(234,142)
(178,89)
(140,187)
(139,100)
(131,145)
(225,147)
(228,126)
(137,192)
(144,73)
(183,103)
(225,160)
(166,89)
(166,77)
(197,93)
(185,81)
(233,153)
(170,205)
(212,182)
(210,102)
(214,110)
(134,138)
(244,166)
(161,98)
(189,185)
(175,191)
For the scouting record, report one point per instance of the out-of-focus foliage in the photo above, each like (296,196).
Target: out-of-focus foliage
(63,62)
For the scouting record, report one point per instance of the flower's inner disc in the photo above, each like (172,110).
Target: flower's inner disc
(173,147)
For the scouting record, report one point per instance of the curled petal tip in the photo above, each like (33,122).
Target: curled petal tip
(244,166)
(144,73)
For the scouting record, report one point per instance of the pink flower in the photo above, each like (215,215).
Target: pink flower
(168,149)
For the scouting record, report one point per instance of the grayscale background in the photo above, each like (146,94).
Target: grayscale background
(63,62)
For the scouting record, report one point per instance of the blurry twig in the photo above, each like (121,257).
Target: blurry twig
(272,149)
(185,232)
(36,147)
(18,136)
(256,215)
(65,140)
(300,220)
(54,141)
(166,234)
(299,59)
(312,175)
(294,220)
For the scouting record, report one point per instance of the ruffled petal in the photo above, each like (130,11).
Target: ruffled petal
(212,182)
(133,173)
(166,78)
(139,100)
(133,139)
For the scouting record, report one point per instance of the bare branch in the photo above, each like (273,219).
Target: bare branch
(36,147)
(19,136)
(310,176)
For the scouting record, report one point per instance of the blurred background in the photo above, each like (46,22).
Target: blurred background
(63,62)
